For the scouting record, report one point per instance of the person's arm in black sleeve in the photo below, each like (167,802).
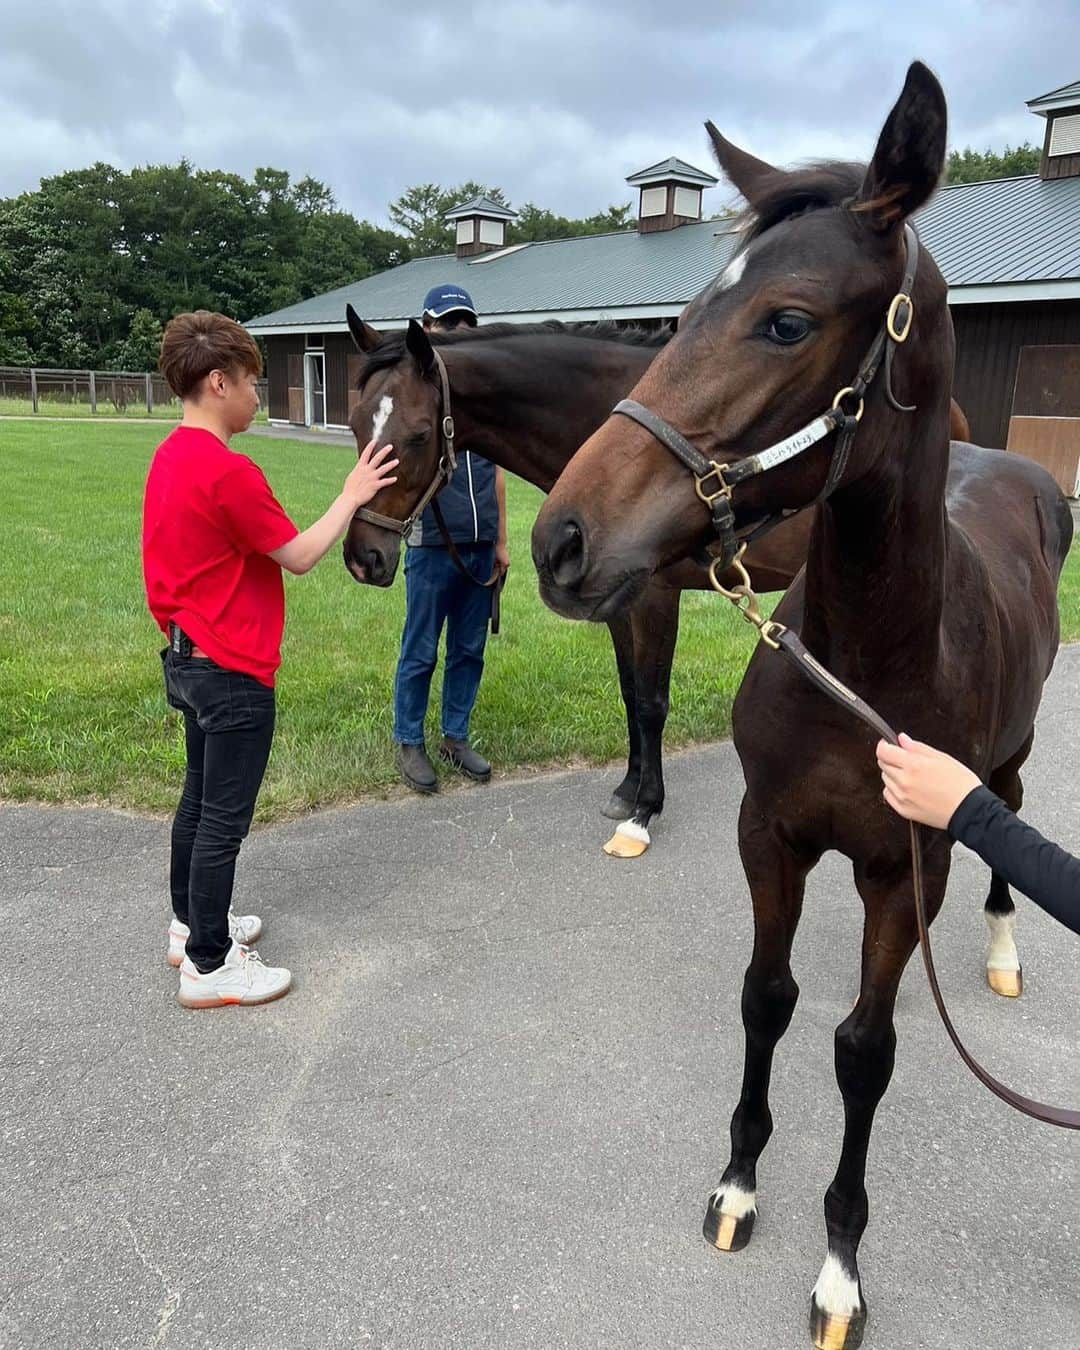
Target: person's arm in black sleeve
(933,788)
(1040,869)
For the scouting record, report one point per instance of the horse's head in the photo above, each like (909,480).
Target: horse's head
(760,354)
(400,398)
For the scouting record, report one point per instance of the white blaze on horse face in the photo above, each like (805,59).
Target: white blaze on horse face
(732,273)
(382,416)
(836,1292)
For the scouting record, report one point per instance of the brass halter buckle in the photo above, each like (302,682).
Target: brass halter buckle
(723,489)
(745,601)
(900,334)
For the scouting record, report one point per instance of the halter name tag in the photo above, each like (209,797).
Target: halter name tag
(794,445)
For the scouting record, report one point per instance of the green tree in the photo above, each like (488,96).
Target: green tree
(419,212)
(93,258)
(968,166)
(41,300)
(16,319)
(534,223)
(140,349)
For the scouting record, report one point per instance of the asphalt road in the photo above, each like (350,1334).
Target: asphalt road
(491,1110)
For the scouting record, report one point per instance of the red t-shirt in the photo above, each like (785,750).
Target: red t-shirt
(209,520)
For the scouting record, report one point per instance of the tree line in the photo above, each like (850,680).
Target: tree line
(96,260)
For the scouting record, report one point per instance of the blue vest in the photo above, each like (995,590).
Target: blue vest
(468,504)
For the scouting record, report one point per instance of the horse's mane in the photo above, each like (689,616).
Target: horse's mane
(816,187)
(392,348)
(605,331)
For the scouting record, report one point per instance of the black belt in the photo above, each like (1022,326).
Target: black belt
(179,642)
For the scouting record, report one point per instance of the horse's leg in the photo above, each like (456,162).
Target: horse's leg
(865,1048)
(1003,973)
(622,799)
(654,623)
(777,878)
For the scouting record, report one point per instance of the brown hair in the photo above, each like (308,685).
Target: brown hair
(195,344)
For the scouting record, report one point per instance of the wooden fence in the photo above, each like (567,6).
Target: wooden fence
(106,391)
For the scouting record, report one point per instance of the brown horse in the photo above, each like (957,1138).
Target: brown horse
(930,592)
(526,397)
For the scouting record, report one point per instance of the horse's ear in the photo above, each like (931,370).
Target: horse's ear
(416,340)
(365,337)
(747,173)
(910,154)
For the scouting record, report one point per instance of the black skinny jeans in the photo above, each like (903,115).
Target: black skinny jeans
(229,725)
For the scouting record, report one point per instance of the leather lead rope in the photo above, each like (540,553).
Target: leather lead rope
(792,647)
(714,483)
(494,583)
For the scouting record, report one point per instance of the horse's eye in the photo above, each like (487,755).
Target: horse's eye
(788,326)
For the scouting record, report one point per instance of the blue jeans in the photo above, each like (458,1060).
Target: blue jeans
(435,594)
(228,728)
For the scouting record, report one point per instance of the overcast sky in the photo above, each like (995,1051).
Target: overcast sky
(555,101)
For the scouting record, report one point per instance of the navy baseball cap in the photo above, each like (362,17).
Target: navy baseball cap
(444,299)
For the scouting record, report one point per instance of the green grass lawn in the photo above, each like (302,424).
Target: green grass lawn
(82,714)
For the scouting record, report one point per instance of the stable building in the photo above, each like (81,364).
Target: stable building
(1008,248)
(640,275)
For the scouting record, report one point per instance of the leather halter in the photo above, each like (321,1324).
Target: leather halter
(443,473)
(715,483)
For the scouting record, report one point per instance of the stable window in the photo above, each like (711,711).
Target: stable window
(1065,135)
(492,232)
(465,232)
(688,202)
(653,201)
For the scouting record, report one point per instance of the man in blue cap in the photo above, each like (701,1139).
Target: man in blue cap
(473,505)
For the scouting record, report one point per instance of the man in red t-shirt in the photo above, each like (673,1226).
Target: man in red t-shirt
(214,542)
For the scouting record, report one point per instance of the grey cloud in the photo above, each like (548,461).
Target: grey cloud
(555,100)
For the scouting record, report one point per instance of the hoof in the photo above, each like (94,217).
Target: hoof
(618,808)
(830,1332)
(630,840)
(726,1232)
(1007,983)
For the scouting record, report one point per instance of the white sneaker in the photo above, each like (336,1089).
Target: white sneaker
(243,928)
(242,979)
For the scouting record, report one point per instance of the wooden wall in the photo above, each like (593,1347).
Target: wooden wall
(339,347)
(1059,166)
(988,343)
(285,374)
(1045,423)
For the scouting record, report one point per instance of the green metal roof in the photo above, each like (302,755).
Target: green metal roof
(669,170)
(595,276)
(1007,239)
(1068,96)
(480,206)
(1008,232)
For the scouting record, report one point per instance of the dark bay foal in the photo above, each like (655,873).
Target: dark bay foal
(929,589)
